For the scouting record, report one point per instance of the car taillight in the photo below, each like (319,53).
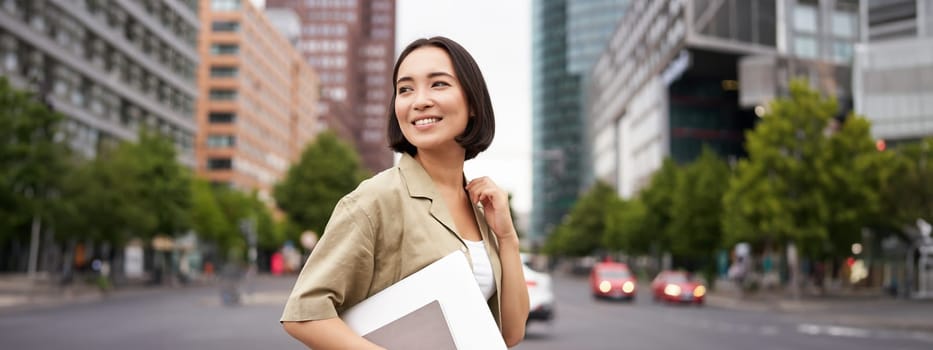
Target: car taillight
(531,283)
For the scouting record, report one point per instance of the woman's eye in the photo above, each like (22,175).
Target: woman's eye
(439,83)
(404,89)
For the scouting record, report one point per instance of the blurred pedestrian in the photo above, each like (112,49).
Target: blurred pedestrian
(277,263)
(409,216)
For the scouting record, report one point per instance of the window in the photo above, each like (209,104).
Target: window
(224,49)
(10,61)
(221,118)
(221,141)
(225,26)
(805,47)
(842,51)
(805,18)
(219,163)
(338,94)
(225,5)
(844,24)
(223,72)
(222,95)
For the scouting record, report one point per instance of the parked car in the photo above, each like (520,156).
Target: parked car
(540,292)
(678,287)
(612,280)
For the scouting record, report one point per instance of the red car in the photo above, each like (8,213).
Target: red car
(676,286)
(612,280)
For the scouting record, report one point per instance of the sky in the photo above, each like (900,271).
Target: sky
(498,35)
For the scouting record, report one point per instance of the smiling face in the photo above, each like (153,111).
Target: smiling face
(430,103)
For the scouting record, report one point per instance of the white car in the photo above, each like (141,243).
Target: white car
(540,293)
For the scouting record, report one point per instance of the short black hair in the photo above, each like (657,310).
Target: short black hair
(481,126)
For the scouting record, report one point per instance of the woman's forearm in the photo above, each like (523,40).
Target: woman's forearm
(327,334)
(514,299)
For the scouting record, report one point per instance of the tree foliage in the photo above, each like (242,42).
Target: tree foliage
(207,218)
(328,170)
(804,179)
(33,160)
(658,201)
(101,203)
(165,183)
(625,228)
(239,208)
(695,227)
(906,185)
(582,230)
(134,190)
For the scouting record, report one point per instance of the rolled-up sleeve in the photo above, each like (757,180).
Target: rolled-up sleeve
(339,271)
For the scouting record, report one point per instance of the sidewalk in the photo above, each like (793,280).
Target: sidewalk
(865,310)
(18,292)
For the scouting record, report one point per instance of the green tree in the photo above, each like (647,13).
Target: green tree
(133,190)
(658,201)
(804,180)
(906,185)
(207,217)
(695,227)
(849,172)
(328,170)
(166,189)
(33,163)
(102,202)
(697,208)
(625,228)
(271,235)
(235,206)
(581,233)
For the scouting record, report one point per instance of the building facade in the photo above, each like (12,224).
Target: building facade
(681,75)
(111,70)
(256,110)
(351,44)
(893,69)
(568,36)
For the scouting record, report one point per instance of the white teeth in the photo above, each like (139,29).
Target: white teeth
(427,121)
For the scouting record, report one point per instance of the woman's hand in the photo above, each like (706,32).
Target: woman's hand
(514,292)
(495,202)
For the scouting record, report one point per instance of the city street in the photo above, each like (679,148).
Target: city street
(585,323)
(193,318)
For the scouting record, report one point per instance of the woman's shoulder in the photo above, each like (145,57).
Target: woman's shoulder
(386,186)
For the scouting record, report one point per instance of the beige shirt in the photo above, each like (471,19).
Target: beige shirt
(389,227)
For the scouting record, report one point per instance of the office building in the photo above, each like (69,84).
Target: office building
(893,69)
(351,44)
(111,69)
(678,75)
(568,36)
(256,110)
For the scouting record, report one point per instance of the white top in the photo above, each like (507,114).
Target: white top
(482,268)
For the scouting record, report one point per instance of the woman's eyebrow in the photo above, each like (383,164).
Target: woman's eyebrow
(431,75)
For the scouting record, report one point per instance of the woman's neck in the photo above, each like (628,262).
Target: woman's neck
(445,169)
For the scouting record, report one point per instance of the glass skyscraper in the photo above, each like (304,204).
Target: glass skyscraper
(568,37)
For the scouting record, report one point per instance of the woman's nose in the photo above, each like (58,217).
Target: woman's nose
(423,102)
